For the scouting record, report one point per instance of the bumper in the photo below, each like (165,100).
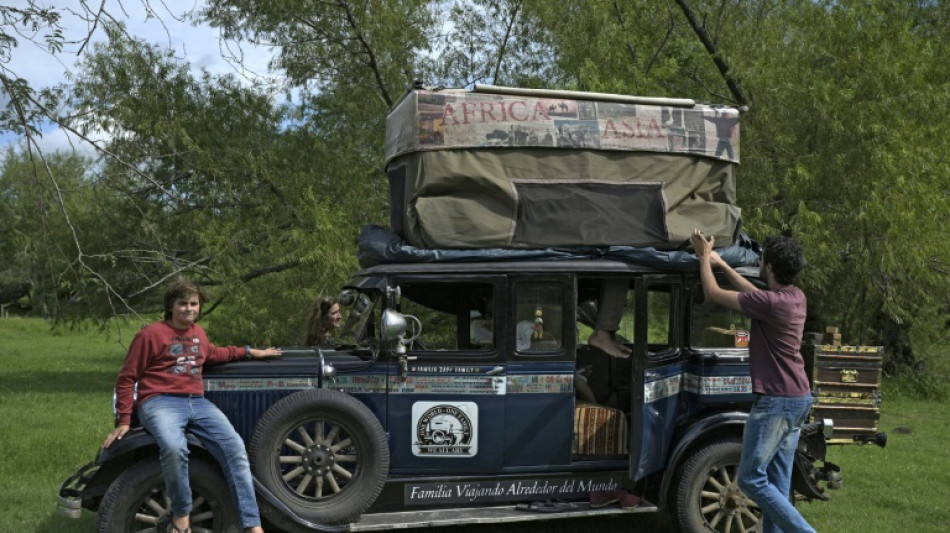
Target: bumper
(809,480)
(69,502)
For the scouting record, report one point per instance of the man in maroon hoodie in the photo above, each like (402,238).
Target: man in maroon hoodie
(166,359)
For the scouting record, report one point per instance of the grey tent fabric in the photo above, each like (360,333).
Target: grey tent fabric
(469,170)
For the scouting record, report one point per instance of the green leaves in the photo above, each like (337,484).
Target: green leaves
(843,147)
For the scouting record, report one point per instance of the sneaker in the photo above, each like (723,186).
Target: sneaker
(165,525)
(603,499)
(629,501)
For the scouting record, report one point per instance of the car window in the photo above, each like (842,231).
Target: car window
(539,317)
(454,316)
(716,326)
(659,316)
(594,292)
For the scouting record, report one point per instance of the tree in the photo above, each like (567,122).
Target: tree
(838,148)
(24,107)
(201,180)
(848,113)
(33,224)
(841,145)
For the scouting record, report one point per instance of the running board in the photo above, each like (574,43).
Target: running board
(485,515)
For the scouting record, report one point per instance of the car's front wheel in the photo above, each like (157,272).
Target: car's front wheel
(136,500)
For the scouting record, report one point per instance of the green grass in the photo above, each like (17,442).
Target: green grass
(55,410)
(902,487)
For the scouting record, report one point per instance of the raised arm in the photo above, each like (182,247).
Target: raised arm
(711,289)
(736,279)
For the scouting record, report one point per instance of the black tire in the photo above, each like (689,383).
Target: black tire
(707,497)
(136,500)
(323,453)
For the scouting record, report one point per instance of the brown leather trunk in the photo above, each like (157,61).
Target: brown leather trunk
(847,389)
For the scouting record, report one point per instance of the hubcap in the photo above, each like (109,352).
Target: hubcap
(318,460)
(156,505)
(724,507)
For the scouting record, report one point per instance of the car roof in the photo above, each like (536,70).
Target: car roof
(580,267)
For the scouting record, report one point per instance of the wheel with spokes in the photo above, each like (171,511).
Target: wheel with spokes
(707,495)
(323,453)
(136,500)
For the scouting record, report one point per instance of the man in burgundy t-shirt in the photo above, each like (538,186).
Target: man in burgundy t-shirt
(779,381)
(778,324)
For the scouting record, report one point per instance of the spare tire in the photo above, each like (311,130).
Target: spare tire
(323,454)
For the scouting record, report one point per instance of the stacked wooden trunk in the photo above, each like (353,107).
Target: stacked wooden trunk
(847,387)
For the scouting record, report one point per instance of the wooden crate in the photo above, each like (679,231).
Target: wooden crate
(846,383)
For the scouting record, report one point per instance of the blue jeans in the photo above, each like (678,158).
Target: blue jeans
(768,453)
(167,418)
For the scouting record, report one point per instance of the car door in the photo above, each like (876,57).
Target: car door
(718,352)
(542,339)
(657,371)
(446,399)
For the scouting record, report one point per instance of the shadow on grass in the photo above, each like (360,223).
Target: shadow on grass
(58,381)
(56,523)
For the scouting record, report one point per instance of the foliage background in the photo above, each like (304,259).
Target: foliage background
(262,198)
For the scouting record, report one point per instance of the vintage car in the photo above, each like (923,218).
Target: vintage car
(451,398)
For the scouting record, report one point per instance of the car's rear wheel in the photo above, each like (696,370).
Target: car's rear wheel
(707,495)
(323,454)
(136,500)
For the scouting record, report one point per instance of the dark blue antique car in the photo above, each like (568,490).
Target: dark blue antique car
(452,397)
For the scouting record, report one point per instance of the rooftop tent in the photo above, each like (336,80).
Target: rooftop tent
(514,168)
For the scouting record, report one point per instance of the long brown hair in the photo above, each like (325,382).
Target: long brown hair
(319,324)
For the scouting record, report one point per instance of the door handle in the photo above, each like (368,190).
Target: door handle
(495,371)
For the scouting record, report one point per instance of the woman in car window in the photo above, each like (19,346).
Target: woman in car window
(324,320)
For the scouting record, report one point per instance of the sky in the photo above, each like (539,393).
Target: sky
(166,27)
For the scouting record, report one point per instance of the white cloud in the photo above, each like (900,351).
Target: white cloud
(55,140)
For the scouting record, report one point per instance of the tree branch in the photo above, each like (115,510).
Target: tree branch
(373,63)
(504,42)
(270,270)
(717,57)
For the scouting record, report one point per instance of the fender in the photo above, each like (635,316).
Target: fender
(725,422)
(138,443)
(89,483)
(805,475)
(134,440)
(133,443)
(268,498)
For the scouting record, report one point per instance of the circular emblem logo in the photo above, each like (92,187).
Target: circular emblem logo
(444,429)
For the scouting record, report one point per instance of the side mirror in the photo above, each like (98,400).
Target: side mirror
(394,295)
(347,297)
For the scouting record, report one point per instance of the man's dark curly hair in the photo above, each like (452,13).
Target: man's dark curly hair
(786,257)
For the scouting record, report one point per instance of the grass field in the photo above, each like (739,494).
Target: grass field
(55,410)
